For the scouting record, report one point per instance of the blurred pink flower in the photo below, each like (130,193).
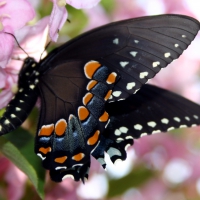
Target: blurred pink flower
(153,189)
(177,7)
(7,81)
(159,149)
(27,36)
(80,4)
(4,165)
(64,190)
(13,177)
(16,180)
(127,9)
(96,16)
(59,13)
(57,18)
(14,15)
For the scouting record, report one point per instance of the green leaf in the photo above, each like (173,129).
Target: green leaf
(18,146)
(134,179)
(45,9)
(109,6)
(2,111)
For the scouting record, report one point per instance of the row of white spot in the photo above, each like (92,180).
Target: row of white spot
(153,124)
(164,121)
(154,64)
(134,53)
(142,75)
(116,41)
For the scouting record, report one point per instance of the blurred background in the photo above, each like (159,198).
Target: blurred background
(164,166)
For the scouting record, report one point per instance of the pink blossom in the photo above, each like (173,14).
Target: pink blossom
(79,4)
(59,13)
(177,7)
(4,165)
(16,181)
(57,18)
(97,17)
(14,15)
(64,190)
(127,9)
(27,36)
(162,144)
(7,82)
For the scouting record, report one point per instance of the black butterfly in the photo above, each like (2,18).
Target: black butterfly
(87,91)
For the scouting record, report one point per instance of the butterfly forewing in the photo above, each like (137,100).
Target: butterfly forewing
(136,48)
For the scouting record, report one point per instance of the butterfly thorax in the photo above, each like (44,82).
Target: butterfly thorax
(29,73)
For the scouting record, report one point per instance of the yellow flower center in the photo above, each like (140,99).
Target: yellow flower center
(61,3)
(14,88)
(1,26)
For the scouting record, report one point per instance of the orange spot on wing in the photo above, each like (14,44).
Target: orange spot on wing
(45,150)
(78,156)
(104,117)
(87,98)
(111,78)
(93,140)
(90,68)
(91,84)
(83,113)
(46,130)
(108,95)
(60,159)
(60,127)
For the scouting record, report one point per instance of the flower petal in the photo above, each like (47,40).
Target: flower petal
(28,36)
(82,4)
(57,20)
(17,13)
(6,46)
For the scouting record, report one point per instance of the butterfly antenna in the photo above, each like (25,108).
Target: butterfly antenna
(17,43)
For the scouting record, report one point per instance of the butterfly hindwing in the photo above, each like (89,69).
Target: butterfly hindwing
(150,110)
(71,121)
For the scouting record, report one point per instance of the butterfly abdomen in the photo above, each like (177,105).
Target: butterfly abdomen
(17,110)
